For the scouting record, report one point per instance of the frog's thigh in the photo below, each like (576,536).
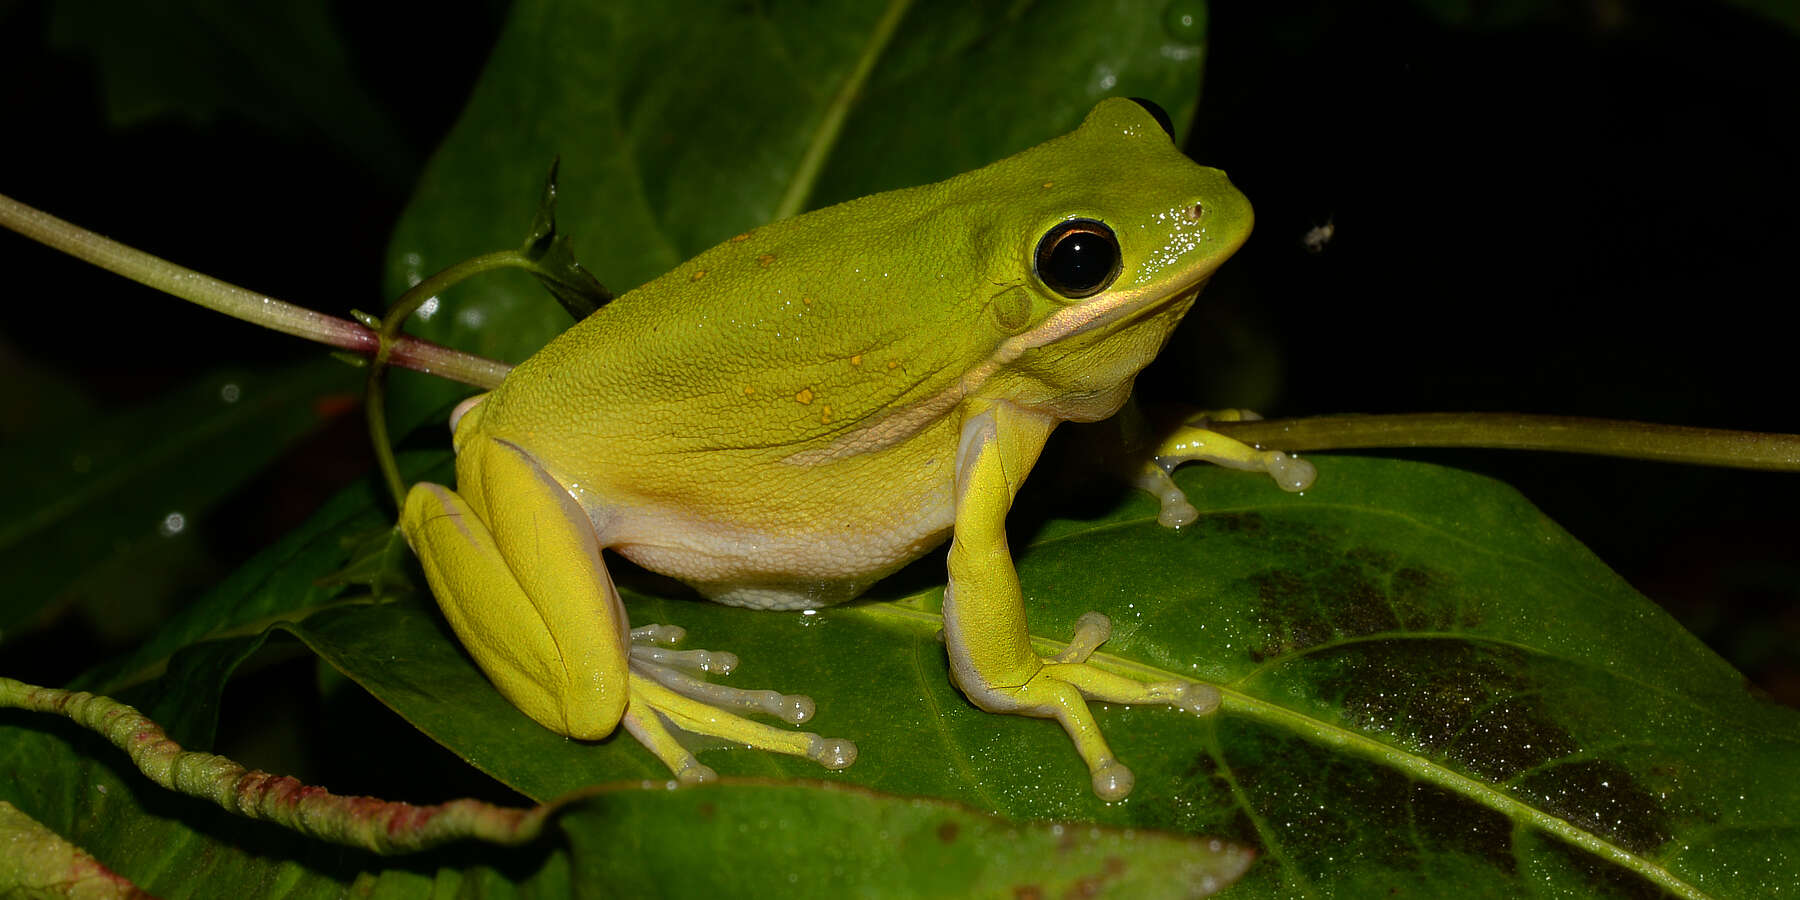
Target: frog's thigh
(991,658)
(526,591)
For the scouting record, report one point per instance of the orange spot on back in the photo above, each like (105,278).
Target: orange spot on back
(699,275)
(804,397)
(825,416)
(765,259)
(856,360)
(749,390)
(740,238)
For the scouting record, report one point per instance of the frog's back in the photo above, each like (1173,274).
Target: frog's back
(776,340)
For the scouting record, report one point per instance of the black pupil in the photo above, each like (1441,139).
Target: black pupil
(1077,259)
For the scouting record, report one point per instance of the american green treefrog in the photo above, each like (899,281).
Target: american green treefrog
(803,409)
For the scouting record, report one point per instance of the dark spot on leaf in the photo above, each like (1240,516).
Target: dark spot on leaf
(1373,557)
(1419,591)
(1205,805)
(1361,605)
(946,832)
(1456,823)
(1377,636)
(1512,736)
(1472,705)
(1321,594)
(1602,879)
(1330,807)
(1028,892)
(1248,523)
(1289,620)
(1599,796)
(1435,695)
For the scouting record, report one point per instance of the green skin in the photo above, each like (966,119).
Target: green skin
(803,409)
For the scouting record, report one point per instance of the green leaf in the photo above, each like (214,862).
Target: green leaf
(831,841)
(284,68)
(38,862)
(813,835)
(111,515)
(683,124)
(75,784)
(302,573)
(1429,687)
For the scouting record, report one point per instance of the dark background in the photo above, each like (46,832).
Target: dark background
(1576,208)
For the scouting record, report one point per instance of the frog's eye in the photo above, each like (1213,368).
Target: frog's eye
(1161,115)
(1078,258)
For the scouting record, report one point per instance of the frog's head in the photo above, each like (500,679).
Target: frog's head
(1115,233)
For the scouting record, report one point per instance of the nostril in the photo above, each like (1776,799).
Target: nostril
(1193,213)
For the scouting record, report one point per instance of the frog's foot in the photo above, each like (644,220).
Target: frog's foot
(667,690)
(1064,683)
(1195,442)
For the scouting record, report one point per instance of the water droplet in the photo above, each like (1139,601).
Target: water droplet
(1185,21)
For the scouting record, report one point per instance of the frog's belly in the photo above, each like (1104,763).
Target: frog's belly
(801,568)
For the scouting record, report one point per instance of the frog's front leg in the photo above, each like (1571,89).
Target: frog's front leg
(516,568)
(991,658)
(1195,442)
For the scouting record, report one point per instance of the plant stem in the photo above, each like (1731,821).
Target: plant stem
(389,338)
(1518,431)
(235,301)
(383,826)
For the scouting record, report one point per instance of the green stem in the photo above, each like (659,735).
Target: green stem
(1517,431)
(375,411)
(824,138)
(235,301)
(388,338)
(382,826)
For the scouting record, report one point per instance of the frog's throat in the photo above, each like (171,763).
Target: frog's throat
(900,424)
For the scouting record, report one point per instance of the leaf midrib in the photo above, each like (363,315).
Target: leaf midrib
(831,124)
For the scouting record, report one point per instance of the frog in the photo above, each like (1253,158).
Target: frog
(800,411)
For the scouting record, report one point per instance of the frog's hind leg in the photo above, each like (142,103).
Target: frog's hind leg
(523,585)
(667,690)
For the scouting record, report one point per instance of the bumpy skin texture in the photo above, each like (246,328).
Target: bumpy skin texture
(803,409)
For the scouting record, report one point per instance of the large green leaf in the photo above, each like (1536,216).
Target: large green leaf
(738,839)
(1429,687)
(115,502)
(285,69)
